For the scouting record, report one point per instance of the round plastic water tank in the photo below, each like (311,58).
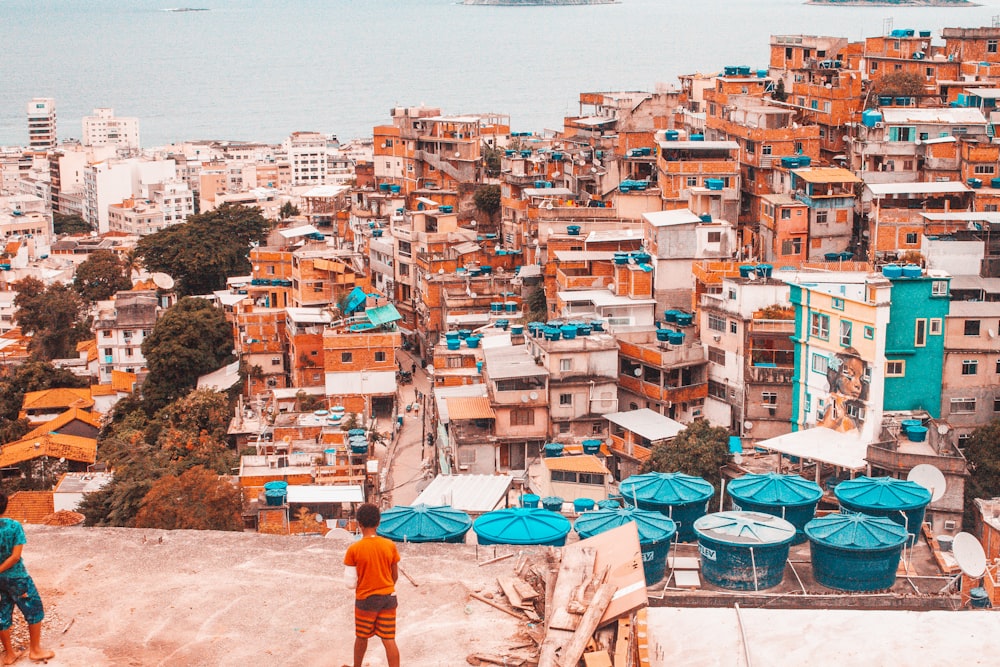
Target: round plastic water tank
(746,270)
(356,431)
(596,325)
(424,523)
(581,505)
(916,433)
(670,316)
(655,533)
(621,258)
(675,337)
(790,497)
(451,335)
(979,598)
(831,256)
(901,500)
(892,271)
(517,329)
(573,230)
(743,551)
(359,448)
(611,504)
(464,333)
(330,457)
(552,503)
(551,333)
(907,424)
(472,341)
(453,343)
(592,446)
(522,525)
(663,335)
(912,271)
(529,500)
(275,497)
(582,329)
(855,552)
(764,270)
(568,331)
(684,319)
(553,450)
(683,498)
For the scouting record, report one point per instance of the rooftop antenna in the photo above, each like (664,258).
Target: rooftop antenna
(887,25)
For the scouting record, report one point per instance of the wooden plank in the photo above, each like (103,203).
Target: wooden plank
(577,565)
(496,606)
(584,632)
(507,586)
(687,579)
(525,590)
(597,659)
(619,549)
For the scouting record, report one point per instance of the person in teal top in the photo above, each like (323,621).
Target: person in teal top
(17,588)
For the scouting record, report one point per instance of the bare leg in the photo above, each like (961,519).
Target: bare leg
(391,652)
(10,656)
(35,650)
(360,647)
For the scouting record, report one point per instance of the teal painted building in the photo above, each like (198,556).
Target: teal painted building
(914,346)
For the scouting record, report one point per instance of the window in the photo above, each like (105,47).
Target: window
(963,405)
(911,238)
(106,333)
(791,246)
(991,46)
(838,303)
(996,404)
(821,217)
(454,362)
(717,390)
(346,357)
(716,323)
(522,417)
(936,326)
(716,355)
(564,428)
(566,399)
(895,369)
(275,361)
(566,364)
(786,214)
(987,169)
(466,456)
(820,326)
(732,326)
(769,398)
(798,147)
(596,429)
(845,333)
(820,363)
(715,237)
(108,351)
(692,181)
(380,356)
(970,367)
(751,147)
(998,367)
(920,333)
(971,327)
(939,288)
(765,149)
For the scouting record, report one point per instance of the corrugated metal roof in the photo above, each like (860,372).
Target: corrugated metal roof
(383,314)
(647,423)
(469,407)
(326,493)
(917,188)
(475,494)
(377,383)
(943,115)
(826,175)
(581,463)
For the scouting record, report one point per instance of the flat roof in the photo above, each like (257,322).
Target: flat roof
(826,175)
(974,308)
(512,362)
(592,120)
(548,192)
(974,282)
(985,93)
(361,382)
(475,494)
(626,234)
(325,191)
(647,423)
(680,216)
(580,463)
(602,298)
(308,315)
(917,188)
(844,450)
(701,145)
(584,255)
(325,493)
(294,232)
(970,216)
(945,115)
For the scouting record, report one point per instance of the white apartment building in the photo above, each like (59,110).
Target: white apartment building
(41,113)
(113,181)
(174,198)
(105,129)
(24,216)
(139,217)
(120,327)
(307,156)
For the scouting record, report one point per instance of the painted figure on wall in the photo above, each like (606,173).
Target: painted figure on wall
(847,375)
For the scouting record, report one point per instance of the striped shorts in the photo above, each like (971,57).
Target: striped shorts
(375,615)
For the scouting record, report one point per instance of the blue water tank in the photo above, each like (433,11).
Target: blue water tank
(529,500)
(275,497)
(655,533)
(684,319)
(901,500)
(522,525)
(670,315)
(663,335)
(552,503)
(746,270)
(912,271)
(568,331)
(675,337)
(870,117)
(743,551)
(597,325)
(573,230)
(683,498)
(553,450)
(453,343)
(671,135)
(892,271)
(697,137)
(581,505)
(424,523)
(790,497)
(473,341)
(592,446)
(855,552)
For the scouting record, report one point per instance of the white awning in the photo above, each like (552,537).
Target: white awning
(315,493)
(376,383)
(844,450)
(475,494)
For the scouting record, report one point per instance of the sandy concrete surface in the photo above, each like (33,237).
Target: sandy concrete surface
(783,637)
(148,597)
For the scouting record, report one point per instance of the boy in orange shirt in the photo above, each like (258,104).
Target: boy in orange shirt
(371,568)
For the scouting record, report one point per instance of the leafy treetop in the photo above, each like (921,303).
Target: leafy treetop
(699,450)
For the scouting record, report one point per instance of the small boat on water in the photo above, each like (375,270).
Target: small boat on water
(186,9)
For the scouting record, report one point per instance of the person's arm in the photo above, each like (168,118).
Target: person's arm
(350,577)
(15,555)
(395,572)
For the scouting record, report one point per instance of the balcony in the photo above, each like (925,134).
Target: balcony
(769,375)
(567,281)
(772,326)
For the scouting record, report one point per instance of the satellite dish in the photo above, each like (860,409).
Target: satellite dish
(930,478)
(473,295)
(163,281)
(637,372)
(969,554)
(748,425)
(534,395)
(524,398)
(318,518)
(942,429)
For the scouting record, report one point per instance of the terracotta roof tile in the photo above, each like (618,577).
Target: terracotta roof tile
(61,397)
(123,382)
(73,414)
(582,463)
(72,447)
(469,407)
(30,506)
(102,390)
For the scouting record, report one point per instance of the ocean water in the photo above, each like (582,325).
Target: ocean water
(260,69)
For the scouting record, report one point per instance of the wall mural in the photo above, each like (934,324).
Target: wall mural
(847,378)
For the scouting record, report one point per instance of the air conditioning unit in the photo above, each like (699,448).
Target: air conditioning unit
(463,467)
(950,525)
(879,124)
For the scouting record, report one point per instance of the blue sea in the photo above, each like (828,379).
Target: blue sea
(260,69)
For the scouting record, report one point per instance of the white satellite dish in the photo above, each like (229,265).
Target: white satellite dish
(163,281)
(534,395)
(318,518)
(748,425)
(942,429)
(524,398)
(637,372)
(930,478)
(969,554)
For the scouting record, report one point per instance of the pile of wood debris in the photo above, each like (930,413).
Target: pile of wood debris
(581,604)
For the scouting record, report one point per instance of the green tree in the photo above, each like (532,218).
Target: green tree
(198,499)
(897,84)
(492,161)
(69,224)
(208,248)
(118,502)
(700,450)
(779,94)
(982,451)
(487,200)
(538,307)
(102,275)
(53,315)
(193,431)
(288,210)
(190,339)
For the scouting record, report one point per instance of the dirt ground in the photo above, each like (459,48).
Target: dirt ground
(148,597)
